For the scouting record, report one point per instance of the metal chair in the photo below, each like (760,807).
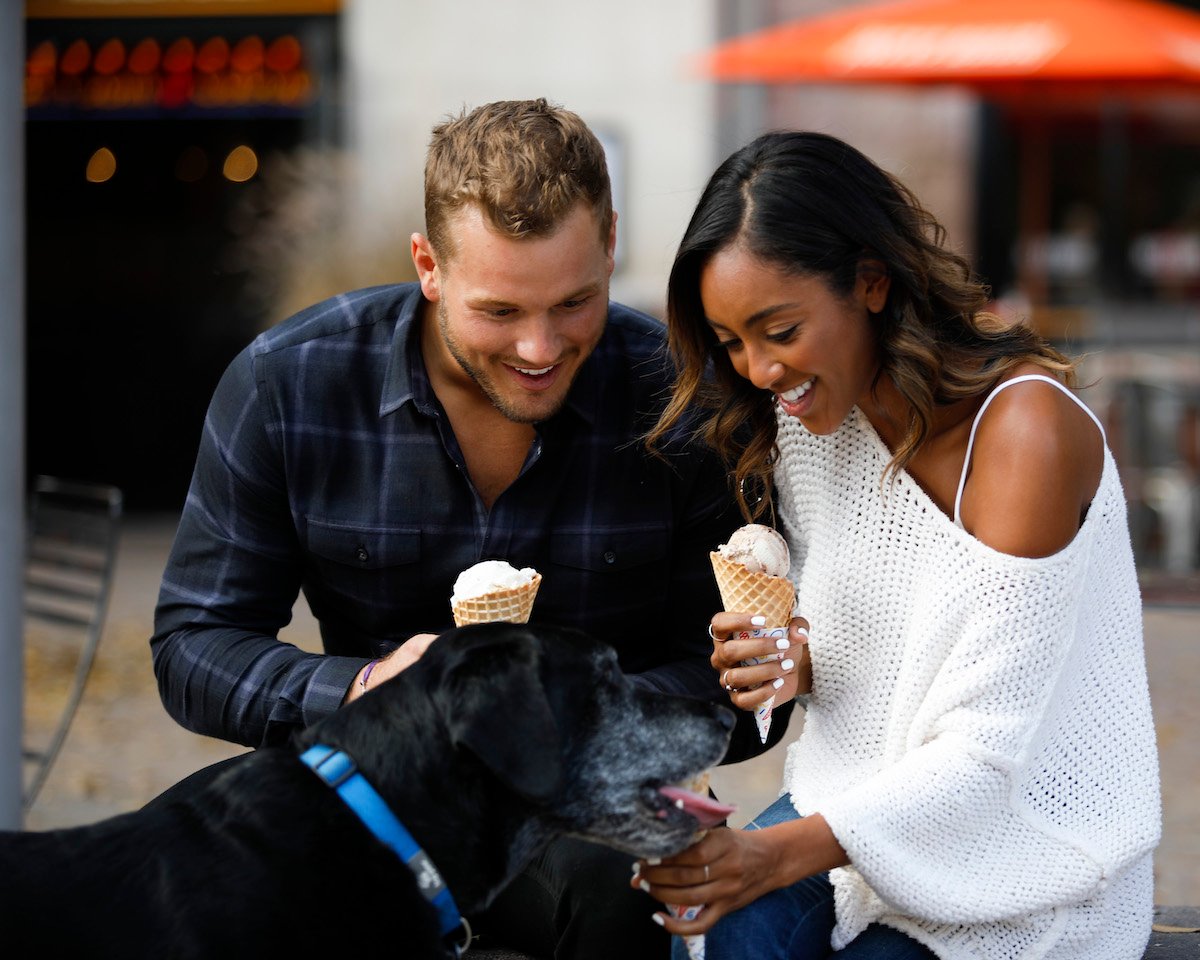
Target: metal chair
(71,552)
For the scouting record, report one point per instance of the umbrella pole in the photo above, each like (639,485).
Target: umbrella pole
(741,108)
(1033,206)
(12,415)
(1114,169)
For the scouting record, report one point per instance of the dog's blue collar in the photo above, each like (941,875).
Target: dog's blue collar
(339,771)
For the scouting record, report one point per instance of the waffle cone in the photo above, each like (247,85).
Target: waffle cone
(748,591)
(510,606)
(699,783)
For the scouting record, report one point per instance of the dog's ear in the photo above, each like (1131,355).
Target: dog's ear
(499,711)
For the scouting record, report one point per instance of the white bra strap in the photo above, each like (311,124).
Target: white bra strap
(962,480)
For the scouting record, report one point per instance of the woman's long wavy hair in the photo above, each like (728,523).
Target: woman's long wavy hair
(814,206)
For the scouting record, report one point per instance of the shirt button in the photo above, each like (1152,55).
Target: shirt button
(610,557)
(362,554)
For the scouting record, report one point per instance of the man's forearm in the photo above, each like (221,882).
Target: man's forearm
(245,687)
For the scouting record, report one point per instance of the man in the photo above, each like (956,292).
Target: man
(377,444)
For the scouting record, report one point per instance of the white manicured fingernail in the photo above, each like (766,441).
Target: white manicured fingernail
(653,861)
(800,631)
(759,621)
(782,643)
(787,664)
(778,683)
(644,885)
(636,867)
(657,918)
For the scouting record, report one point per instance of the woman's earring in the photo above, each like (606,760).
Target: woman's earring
(747,500)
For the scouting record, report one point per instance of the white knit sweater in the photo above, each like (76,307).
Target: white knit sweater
(979,734)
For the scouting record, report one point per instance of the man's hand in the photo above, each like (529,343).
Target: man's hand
(403,657)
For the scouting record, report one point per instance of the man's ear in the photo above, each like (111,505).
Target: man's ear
(875,283)
(426,262)
(498,710)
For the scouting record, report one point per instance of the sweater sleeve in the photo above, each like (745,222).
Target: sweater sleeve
(957,825)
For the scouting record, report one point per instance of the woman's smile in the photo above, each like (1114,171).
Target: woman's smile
(777,327)
(796,400)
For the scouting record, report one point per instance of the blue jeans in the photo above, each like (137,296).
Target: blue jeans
(796,922)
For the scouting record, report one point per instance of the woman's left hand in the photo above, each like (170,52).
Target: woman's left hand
(786,673)
(724,871)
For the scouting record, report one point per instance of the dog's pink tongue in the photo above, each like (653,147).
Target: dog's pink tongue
(707,811)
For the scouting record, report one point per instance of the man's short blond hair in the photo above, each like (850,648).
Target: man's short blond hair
(524,163)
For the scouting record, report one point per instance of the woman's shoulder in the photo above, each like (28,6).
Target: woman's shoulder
(1035,466)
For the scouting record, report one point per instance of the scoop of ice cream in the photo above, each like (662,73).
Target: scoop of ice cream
(759,549)
(488,576)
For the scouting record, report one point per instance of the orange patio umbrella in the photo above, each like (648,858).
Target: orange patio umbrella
(988,44)
(1030,54)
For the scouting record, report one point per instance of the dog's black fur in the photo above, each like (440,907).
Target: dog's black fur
(500,738)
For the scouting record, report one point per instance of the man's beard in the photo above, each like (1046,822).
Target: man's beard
(485,383)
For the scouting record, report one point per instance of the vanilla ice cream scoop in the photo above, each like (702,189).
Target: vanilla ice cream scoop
(759,549)
(490,576)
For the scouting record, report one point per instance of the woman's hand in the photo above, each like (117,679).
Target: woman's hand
(724,871)
(727,869)
(786,673)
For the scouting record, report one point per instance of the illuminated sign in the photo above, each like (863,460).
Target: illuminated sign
(248,74)
(73,9)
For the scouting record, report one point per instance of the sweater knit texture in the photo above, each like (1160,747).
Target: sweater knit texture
(979,735)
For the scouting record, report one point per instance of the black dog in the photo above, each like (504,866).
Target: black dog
(500,738)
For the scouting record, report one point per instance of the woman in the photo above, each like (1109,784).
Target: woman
(977,774)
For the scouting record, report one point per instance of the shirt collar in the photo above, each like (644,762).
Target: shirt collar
(400,385)
(584,396)
(406,378)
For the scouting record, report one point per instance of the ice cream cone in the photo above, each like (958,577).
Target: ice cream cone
(753,592)
(511,606)
(773,598)
(695,943)
(699,783)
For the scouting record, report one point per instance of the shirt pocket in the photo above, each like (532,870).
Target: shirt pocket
(610,551)
(603,576)
(363,547)
(362,564)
